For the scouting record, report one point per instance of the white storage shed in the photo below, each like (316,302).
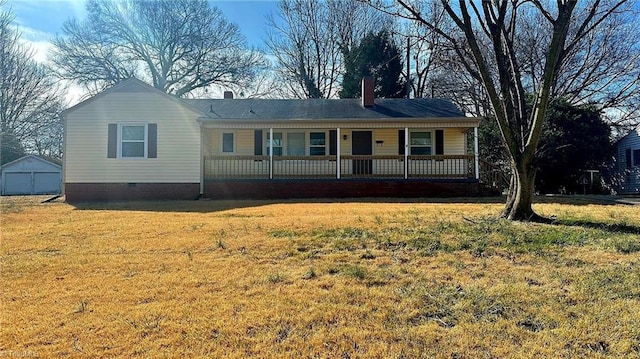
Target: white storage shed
(31,175)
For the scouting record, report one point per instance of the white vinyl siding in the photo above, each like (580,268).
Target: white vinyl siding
(178,140)
(454,141)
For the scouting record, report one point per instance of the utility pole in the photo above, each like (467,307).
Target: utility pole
(408,68)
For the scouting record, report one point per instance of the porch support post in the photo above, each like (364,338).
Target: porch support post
(202,160)
(406,152)
(338,153)
(475,149)
(271,153)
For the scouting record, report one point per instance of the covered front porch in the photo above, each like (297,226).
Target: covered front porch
(364,159)
(306,152)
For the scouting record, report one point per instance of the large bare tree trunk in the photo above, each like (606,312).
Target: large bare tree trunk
(487,37)
(520,196)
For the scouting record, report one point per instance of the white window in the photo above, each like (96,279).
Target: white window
(227,142)
(133,140)
(317,144)
(295,144)
(420,143)
(276,143)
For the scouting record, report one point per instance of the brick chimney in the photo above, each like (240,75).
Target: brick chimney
(228,95)
(368,96)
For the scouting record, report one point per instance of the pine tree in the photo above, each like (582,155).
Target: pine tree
(376,56)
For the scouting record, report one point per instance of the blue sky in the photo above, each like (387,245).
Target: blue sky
(39,20)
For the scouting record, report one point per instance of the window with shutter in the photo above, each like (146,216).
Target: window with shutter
(257,142)
(227,142)
(401,142)
(112,141)
(420,143)
(133,142)
(152,140)
(439,142)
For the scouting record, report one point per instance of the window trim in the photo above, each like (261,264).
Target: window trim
(281,147)
(324,146)
(635,155)
(145,141)
(233,144)
(285,141)
(430,146)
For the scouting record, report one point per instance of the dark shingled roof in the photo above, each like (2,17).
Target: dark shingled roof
(318,109)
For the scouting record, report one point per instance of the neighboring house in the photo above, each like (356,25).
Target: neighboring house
(134,141)
(628,159)
(31,175)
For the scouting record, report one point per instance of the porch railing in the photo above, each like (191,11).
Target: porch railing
(350,166)
(493,176)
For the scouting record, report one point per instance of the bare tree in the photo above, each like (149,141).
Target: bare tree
(176,45)
(428,55)
(30,99)
(303,41)
(308,38)
(354,20)
(494,45)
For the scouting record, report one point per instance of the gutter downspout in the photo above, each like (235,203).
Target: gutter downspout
(202,166)
(406,152)
(271,153)
(63,180)
(338,153)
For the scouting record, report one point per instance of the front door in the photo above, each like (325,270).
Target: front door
(362,145)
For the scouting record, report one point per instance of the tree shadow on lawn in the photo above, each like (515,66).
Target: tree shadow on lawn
(580,200)
(608,227)
(212,205)
(209,206)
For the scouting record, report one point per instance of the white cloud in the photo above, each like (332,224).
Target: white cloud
(41,50)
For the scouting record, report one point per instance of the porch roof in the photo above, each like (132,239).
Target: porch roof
(327,110)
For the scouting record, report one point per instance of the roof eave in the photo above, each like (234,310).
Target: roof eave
(115,88)
(355,119)
(32,156)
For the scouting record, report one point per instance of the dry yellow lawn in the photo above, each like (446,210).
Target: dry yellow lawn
(327,280)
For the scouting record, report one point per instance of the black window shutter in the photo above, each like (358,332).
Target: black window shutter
(333,142)
(628,157)
(112,141)
(401,142)
(439,142)
(152,143)
(257,142)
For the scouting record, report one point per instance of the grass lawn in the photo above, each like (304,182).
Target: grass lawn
(327,280)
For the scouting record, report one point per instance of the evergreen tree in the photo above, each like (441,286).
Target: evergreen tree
(575,139)
(376,56)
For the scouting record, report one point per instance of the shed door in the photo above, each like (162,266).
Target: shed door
(46,183)
(362,145)
(16,183)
